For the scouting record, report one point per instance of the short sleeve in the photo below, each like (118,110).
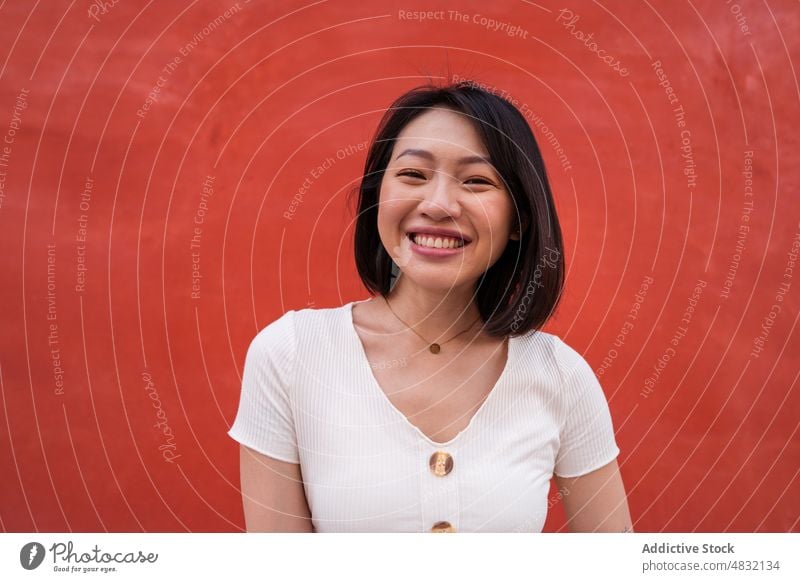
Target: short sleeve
(586,440)
(265,421)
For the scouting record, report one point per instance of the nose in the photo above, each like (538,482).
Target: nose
(440,199)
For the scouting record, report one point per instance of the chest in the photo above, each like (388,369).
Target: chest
(439,394)
(366,467)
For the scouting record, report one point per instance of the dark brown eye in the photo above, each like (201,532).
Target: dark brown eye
(479,181)
(412,174)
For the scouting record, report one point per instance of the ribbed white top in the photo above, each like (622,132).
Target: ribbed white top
(309,396)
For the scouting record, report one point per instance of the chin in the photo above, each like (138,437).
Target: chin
(438,279)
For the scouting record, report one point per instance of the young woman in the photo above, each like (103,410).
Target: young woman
(437,405)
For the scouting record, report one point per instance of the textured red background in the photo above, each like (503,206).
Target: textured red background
(265,96)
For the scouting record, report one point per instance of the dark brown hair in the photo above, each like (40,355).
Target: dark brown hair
(521,290)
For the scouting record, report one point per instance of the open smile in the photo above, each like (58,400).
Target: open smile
(436,245)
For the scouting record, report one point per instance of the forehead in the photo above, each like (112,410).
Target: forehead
(443,130)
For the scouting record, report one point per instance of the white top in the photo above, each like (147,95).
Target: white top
(309,396)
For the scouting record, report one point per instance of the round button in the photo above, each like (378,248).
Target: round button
(441,463)
(443,527)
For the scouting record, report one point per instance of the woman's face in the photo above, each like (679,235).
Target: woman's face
(439,182)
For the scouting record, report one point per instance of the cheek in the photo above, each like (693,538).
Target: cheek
(393,195)
(390,212)
(392,208)
(493,217)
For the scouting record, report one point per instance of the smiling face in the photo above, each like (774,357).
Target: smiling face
(439,182)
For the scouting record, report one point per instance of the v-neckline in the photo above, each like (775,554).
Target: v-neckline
(364,362)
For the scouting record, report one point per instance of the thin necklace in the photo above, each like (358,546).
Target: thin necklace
(434,347)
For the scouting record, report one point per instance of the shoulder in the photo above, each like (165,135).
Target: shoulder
(294,325)
(276,338)
(320,320)
(571,362)
(318,314)
(548,352)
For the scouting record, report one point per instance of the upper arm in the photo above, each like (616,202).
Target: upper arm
(273,494)
(586,470)
(596,501)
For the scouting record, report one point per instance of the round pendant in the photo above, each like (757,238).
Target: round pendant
(435,348)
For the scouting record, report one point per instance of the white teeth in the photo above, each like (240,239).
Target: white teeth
(437,242)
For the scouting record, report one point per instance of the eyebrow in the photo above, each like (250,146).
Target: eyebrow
(429,156)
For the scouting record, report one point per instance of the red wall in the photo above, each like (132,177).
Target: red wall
(264,96)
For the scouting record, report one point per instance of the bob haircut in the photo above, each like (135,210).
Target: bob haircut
(521,290)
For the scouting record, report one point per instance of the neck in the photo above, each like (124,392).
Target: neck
(435,314)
